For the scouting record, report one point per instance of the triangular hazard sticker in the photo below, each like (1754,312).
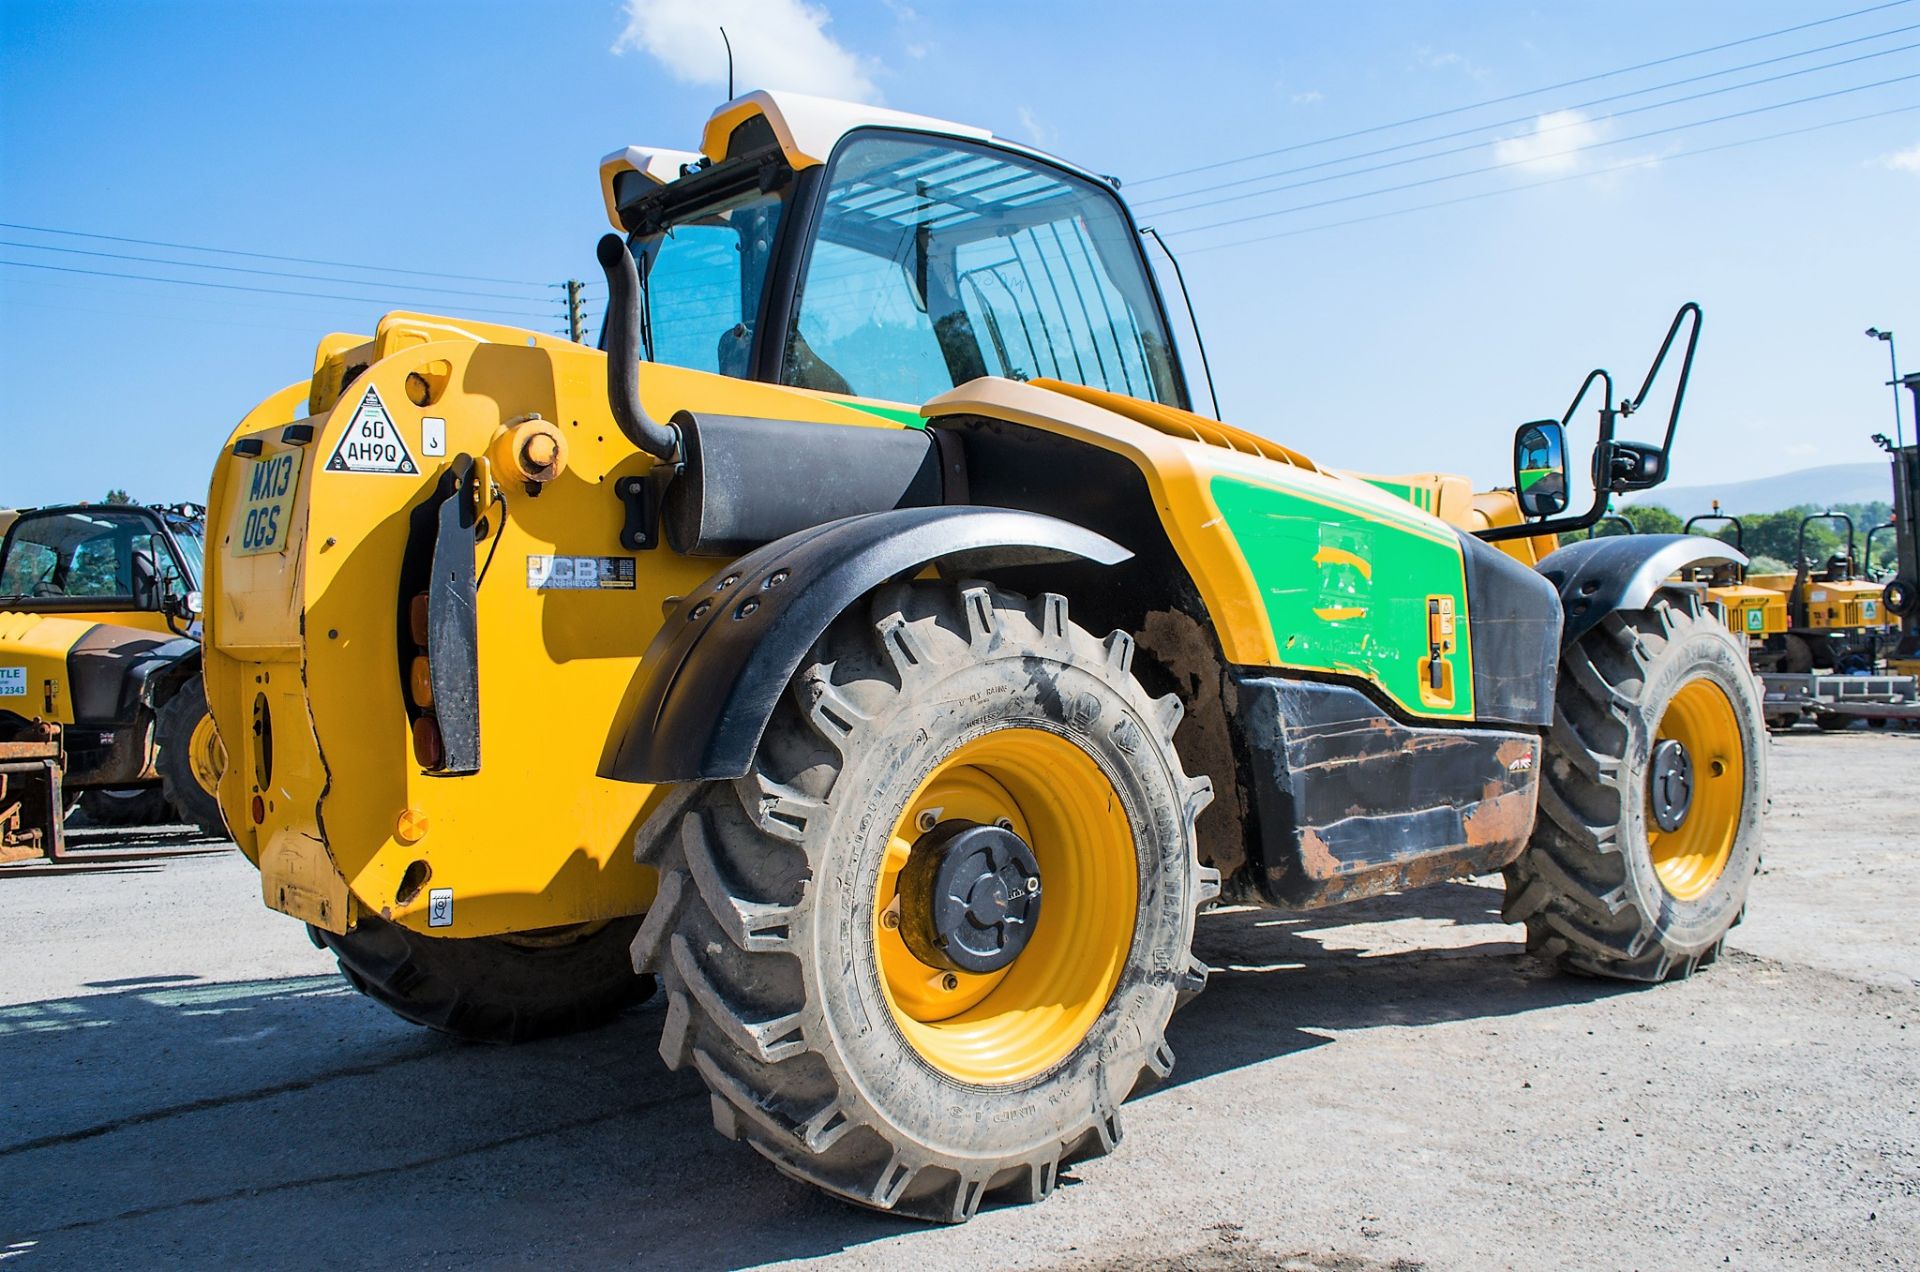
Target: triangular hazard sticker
(372,442)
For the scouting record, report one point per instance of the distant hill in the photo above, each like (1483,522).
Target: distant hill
(1828,484)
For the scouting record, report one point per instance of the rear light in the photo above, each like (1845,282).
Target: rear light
(417,619)
(427,747)
(420,682)
(259,810)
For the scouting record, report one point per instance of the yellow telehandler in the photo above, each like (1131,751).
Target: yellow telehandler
(871,643)
(100,670)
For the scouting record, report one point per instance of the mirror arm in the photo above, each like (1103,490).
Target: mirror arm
(1602,462)
(1686,372)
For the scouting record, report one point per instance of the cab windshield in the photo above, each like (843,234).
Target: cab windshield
(931,262)
(937,261)
(95,554)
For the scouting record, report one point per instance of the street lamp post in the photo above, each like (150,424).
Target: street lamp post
(1893,361)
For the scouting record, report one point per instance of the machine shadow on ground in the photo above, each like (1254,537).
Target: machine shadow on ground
(171,1117)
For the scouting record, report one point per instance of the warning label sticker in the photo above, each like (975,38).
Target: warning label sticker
(13,682)
(372,442)
(580,573)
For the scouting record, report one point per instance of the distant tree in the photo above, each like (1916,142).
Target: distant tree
(1645,519)
(118,496)
(1653,519)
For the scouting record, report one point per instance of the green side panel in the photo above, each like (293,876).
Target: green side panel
(1346,588)
(1398,489)
(905,416)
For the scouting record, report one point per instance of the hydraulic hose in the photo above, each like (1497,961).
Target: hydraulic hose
(662,441)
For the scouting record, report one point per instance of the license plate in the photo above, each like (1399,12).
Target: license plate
(264,519)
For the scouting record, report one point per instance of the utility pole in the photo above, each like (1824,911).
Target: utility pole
(576,311)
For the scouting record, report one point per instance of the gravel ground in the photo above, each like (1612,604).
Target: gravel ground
(1392,1085)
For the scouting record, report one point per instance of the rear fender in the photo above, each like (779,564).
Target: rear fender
(727,652)
(174,664)
(1598,576)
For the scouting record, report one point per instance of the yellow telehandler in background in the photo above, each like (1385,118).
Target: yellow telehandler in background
(100,670)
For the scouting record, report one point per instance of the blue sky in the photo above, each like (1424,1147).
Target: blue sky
(461,140)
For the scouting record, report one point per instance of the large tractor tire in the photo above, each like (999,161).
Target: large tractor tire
(127,806)
(190,759)
(1649,828)
(493,988)
(922,952)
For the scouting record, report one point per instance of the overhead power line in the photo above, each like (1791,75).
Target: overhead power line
(269,256)
(1514,97)
(1532,115)
(268,291)
(173,317)
(1552,128)
(1645,162)
(1559,154)
(271,273)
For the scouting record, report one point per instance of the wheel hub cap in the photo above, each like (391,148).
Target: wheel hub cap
(969,897)
(1671,778)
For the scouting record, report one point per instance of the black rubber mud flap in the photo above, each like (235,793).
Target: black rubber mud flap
(453,638)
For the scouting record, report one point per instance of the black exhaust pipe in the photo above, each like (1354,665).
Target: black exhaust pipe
(662,441)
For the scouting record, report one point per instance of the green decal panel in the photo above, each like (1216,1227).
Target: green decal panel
(906,416)
(1419,496)
(1352,591)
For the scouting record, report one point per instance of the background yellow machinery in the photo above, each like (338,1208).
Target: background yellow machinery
(99,657)
(1752,612)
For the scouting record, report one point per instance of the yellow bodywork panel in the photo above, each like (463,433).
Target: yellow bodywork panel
(303,648)
(1847,603)
(1830,606)
(1751,611)
(33,664)
(1181,476)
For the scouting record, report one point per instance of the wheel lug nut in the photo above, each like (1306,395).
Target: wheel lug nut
(949,982)
(928,819)
(1004,823)
(890,919)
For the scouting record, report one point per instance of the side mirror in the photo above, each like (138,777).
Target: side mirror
(184,605)
(1635,466)
(1540,467)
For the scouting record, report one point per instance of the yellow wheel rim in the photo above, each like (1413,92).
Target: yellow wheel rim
(1690,859)
(1005,1026)
(208,757)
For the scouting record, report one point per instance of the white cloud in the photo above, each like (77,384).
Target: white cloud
(1903,160)
(1443,59)
(1546,149)
(1035,128)
(776,44)
(1309,97)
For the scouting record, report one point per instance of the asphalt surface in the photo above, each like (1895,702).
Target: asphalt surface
(1393,1085)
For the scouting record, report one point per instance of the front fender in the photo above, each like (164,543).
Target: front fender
(720,662)
(1622,572)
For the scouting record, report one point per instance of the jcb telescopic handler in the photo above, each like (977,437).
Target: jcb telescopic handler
(100,689)
(873,645)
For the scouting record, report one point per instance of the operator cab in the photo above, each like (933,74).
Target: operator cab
(868,253)
(100,558)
